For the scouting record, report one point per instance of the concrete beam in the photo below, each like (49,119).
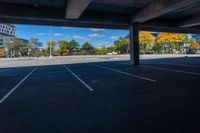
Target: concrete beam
(61,22)
(49,15)
(190,22)
(170,29)
(160,7)
(75,8)
(134,44)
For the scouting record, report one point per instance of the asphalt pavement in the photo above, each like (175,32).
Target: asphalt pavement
(100,94)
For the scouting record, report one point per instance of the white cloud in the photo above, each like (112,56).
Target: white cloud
(95,35)
(47,34)
(41,34)
(57,34)
(95,29)
(67,27)
(103,44)
(81,38)
(114,37)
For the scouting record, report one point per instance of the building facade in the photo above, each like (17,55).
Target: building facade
(7,32)
(8,29)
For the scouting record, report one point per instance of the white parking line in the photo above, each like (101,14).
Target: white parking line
(13,89)
(132,75)
(85,84)
(4,70)
(172,70)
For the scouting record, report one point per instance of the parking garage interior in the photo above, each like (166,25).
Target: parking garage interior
(102,94)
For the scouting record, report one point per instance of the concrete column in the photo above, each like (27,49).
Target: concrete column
(134,44)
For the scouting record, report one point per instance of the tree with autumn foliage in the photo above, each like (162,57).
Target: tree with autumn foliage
(171,41)
(146,40)
(149,43)
(193,45)
(2,52)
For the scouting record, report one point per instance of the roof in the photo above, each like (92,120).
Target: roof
(158,15)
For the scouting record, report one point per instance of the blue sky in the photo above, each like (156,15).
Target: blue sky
(97,37)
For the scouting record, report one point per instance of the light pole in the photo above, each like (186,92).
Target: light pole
(50,52)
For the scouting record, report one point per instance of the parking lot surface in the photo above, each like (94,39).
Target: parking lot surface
(100,94)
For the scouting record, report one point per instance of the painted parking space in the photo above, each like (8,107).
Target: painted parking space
(56,94)
(11,77)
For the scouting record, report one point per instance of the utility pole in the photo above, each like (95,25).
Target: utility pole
(50,52)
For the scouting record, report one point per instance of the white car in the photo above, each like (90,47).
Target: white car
(113,53)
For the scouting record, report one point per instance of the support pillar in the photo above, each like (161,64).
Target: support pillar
(134,44)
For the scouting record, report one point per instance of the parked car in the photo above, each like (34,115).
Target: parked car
(113,53)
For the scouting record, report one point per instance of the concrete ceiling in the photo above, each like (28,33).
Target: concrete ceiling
(171,15)
(182,13)
(128,3)
(47,3)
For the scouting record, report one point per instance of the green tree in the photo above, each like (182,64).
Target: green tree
(63,47)
(73,47)
(17,47)
(122,45)
(87,49)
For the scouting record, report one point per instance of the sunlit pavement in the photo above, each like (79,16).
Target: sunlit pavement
(99,94)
